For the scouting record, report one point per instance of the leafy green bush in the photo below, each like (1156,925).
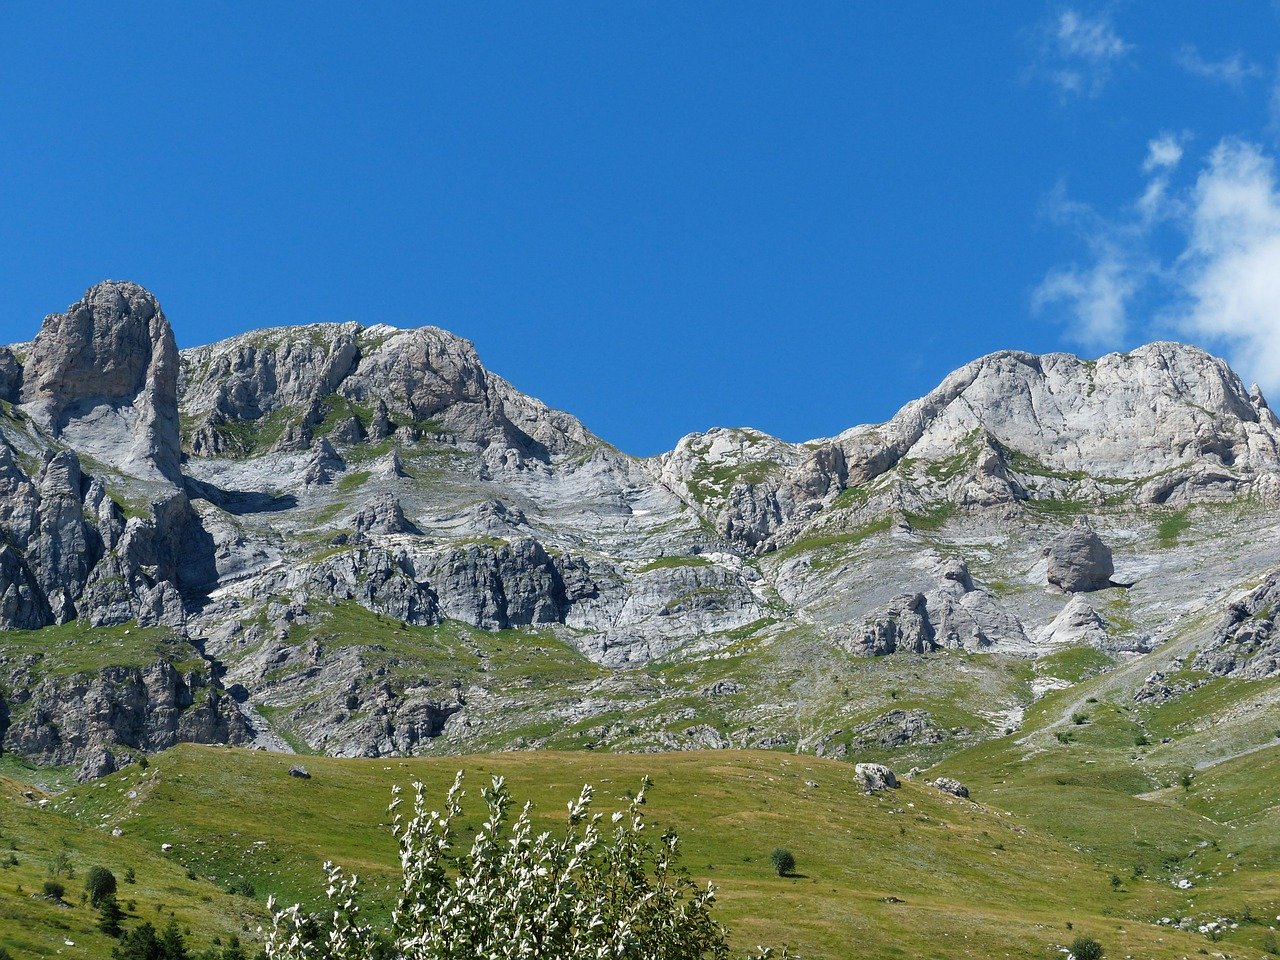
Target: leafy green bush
(783,861)
(604,889)
(55,889)
(1086,948)
(99,883)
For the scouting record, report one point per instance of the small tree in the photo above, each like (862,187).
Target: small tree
(111,917)
(604,889)
(1086,948)
(55,889)
(99,883)
(783,861)
(172,946)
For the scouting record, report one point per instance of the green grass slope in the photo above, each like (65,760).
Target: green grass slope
(905,873)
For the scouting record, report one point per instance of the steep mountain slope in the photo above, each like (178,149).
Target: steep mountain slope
(372,545)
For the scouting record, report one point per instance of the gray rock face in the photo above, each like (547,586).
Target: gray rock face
(875,777)
(1245,643)
(1079,561)
(82,719)
(10,377)
(104,376)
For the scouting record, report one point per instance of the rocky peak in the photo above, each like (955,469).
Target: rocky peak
(103,376)
(1123,415)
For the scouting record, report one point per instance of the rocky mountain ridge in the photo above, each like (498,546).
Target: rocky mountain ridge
(379,546)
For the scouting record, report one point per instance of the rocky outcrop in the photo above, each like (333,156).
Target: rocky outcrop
(903,627)
(324,465)
(104,377)
(952,615)
(898,728)
(753,487)
(383,515)
(1077,622)
(953,787)
(90,719)
(1245,642)
(1078,560)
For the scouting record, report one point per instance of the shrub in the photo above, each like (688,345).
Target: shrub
(129,875)
(783,861)
(55,889)
(1079,718)
(1269,943)
(604,889)
(1086,948)
(99,883)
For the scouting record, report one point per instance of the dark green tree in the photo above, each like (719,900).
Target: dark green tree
(1086,948)
(140,943)
(99,883)
(111,917)
(172,945)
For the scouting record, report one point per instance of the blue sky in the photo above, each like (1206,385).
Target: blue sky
(661,217)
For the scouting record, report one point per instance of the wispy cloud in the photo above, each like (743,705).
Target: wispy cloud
(1078,52)
(1233,70)
(1221,287)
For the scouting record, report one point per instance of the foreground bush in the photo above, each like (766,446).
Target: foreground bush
(783,861)
(1086,948)
(600,892)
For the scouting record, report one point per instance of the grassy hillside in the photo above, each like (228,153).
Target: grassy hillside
(906,873)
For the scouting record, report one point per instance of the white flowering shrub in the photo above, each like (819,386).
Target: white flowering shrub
(599,892)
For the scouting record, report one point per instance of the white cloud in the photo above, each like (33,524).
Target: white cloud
(1164,152)
(1230,272)
(1233,70)
(1221,288)
(1078,52)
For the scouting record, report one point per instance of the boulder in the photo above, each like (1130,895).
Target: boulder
(300,772)
(875,776)
(1078,560)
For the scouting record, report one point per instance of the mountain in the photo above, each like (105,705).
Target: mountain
(359,541)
